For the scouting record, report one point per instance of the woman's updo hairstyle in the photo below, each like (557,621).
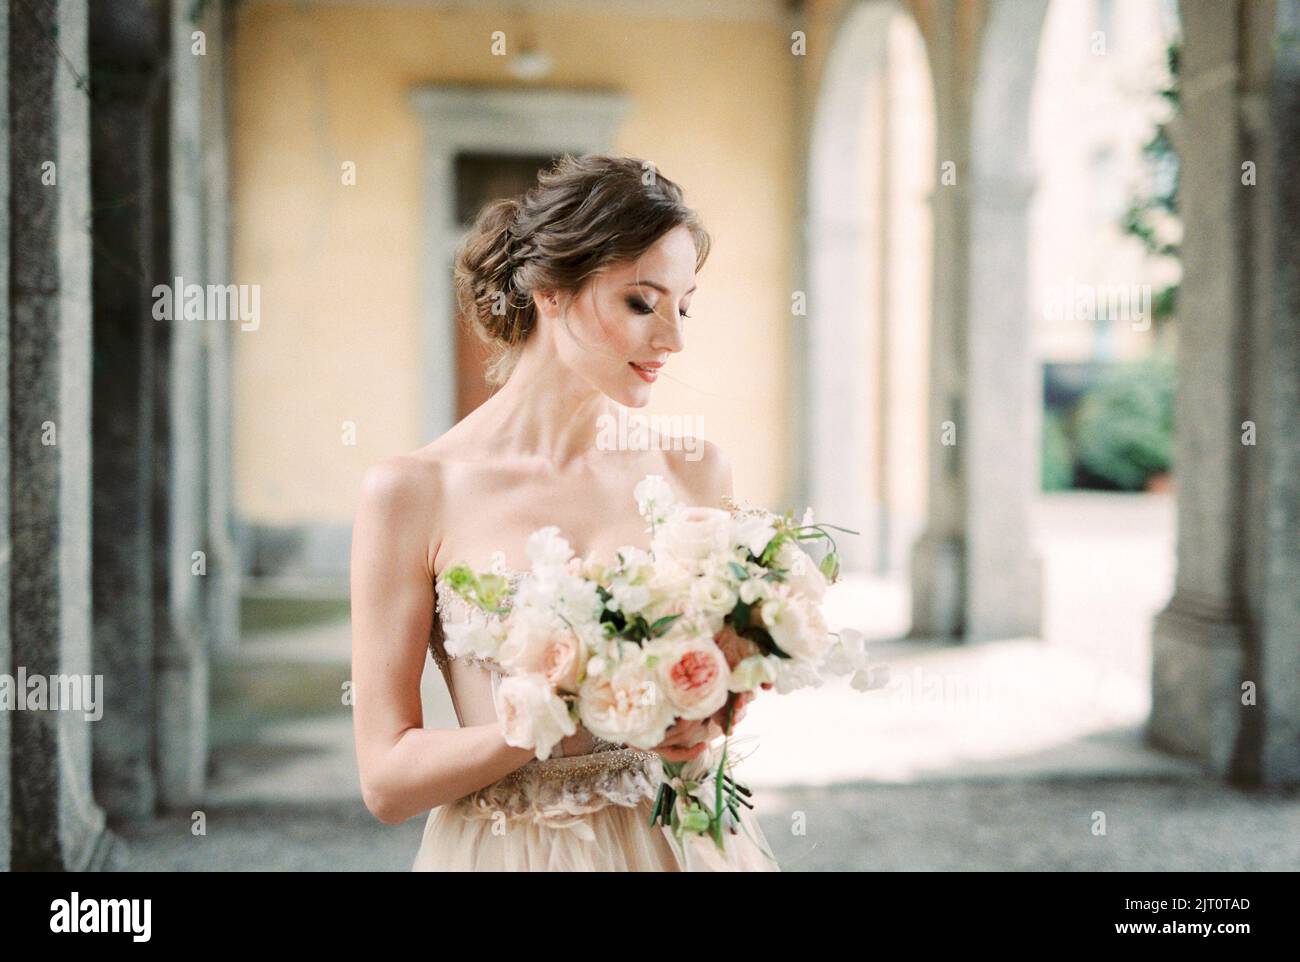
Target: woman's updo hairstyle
(583,214)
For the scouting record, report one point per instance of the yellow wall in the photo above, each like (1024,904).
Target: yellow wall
(712,104)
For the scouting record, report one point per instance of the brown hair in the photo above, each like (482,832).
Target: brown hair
(582,215)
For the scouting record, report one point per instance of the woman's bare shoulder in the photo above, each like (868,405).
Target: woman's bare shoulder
(408,480)
(402,495)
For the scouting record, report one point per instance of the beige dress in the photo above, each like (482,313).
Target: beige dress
(579,812)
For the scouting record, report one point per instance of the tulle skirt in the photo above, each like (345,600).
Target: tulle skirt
(616,838)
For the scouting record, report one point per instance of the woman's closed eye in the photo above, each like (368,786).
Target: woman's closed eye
(641,307)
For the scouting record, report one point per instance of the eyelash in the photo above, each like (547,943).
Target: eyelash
(642,307)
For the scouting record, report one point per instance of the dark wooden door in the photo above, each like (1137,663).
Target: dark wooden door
(481,178)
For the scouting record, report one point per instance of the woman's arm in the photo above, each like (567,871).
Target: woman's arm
(406,769)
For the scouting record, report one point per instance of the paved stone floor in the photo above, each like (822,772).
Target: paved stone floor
(998,756)
(1159,824)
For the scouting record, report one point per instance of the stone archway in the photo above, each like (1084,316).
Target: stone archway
(854,361)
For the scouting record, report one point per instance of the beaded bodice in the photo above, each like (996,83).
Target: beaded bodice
(557,790)
(449,607)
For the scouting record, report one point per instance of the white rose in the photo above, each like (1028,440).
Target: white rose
(693,673)
(531,715)
(713,595)
(691,535)
(625,705)
(669,585)
(563,660)
(536,644)
(528,632)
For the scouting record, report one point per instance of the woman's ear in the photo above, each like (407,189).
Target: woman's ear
(547,302)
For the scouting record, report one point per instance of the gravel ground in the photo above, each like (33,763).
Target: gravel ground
(1015,825)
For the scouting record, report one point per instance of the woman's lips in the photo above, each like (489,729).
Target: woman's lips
(646,372)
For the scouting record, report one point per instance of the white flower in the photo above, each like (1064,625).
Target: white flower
(669,583)
(538,644)
(753,672)
(754,589)
(691,534)
(548,549)
(713,595)
(654,496)
(796,626)
(627,598)
(692,672)
(753,532)
(555,590)
(802,575)
(793,674)
(478,635)
(632,558)
(531,715)
(625,705)
(847,654)
(868,679)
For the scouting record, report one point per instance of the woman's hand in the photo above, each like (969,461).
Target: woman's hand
(688,738)
(741,700)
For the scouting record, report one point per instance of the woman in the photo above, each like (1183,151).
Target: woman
(581,287)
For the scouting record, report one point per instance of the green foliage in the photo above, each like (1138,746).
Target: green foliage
(1149,215)
(1124,427)
(1057,459)
(486,591)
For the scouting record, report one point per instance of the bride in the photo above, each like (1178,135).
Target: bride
(581,288)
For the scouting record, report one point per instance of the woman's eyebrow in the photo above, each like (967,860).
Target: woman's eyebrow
(655,284)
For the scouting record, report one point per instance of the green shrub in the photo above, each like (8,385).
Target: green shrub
(1124,426)
(1058,461)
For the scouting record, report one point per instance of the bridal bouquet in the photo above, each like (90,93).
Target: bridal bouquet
(724,602)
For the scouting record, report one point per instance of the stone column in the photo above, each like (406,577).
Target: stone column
(1279,643)
(1003,417)
(1003,397)
(1199,644)
(180,432)
(56,824)
(844,322)
(223,561)
(128,53)
(1225,686)
(938,557)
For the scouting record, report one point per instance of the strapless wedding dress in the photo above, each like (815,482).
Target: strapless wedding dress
(579,812)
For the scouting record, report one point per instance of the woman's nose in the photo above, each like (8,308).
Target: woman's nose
(670,337)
